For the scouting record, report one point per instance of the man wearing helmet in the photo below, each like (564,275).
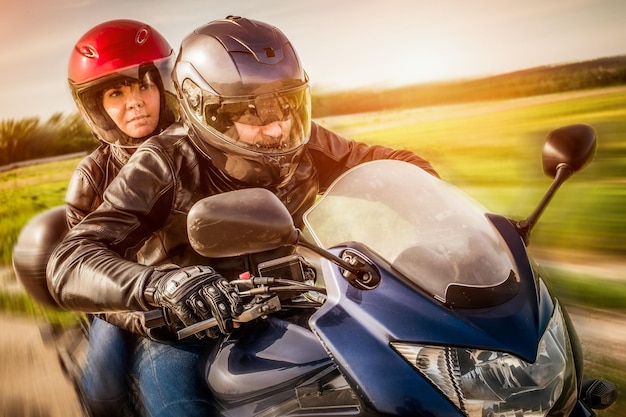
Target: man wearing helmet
(119,75)
(245,104)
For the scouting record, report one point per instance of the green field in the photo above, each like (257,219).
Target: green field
(493,151)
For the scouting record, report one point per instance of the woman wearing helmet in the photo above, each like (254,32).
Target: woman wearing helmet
(119,76)
(245,102)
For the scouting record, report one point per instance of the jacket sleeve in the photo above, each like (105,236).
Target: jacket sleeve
(92,270)
(85,189)
(333,155)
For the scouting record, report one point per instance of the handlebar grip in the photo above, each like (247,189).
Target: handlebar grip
(154,318)
(197,327)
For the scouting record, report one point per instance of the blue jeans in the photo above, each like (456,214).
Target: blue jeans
(104,382)
(169,378)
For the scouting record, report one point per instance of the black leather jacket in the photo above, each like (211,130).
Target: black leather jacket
(85,193)
(138,232)
(91,177)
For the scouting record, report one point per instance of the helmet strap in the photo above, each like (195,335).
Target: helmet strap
(120,153)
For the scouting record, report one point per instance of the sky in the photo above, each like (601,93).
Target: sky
(342,43)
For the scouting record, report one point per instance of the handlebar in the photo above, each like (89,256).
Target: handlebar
(263,291)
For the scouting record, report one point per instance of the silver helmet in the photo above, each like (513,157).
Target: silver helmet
(245,99)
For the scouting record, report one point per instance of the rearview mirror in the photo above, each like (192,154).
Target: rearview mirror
(566,151)
(240,222)
(573,146)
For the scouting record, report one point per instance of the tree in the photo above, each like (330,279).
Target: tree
(25,139)
(15,136)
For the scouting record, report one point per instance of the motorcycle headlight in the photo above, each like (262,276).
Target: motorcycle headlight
(481,382)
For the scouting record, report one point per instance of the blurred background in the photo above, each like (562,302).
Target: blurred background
(342,45)
(474,87)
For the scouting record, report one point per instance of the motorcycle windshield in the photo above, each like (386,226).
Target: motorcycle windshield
(428,230)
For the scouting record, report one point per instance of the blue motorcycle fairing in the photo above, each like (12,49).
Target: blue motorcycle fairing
(356,327)
(382,378)
(263,356)
(528,313)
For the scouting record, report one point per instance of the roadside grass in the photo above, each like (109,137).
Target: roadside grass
(586,289)
(26,192)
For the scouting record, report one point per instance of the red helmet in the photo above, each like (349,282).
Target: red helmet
(109,53)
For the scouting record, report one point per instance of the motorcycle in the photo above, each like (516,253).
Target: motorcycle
(430,304)
(401,296)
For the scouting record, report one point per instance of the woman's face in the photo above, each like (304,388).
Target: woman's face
(133,106)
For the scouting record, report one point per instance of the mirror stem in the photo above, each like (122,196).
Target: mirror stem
(563,172)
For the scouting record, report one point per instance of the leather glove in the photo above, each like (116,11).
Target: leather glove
(194,294)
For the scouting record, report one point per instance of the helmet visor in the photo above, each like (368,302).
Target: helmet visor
(270,123)
(89,98)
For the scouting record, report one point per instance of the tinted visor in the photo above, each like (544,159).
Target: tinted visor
(271,123)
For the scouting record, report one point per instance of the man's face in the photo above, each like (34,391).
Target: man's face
(133,106)
(273,123)
(266,137)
